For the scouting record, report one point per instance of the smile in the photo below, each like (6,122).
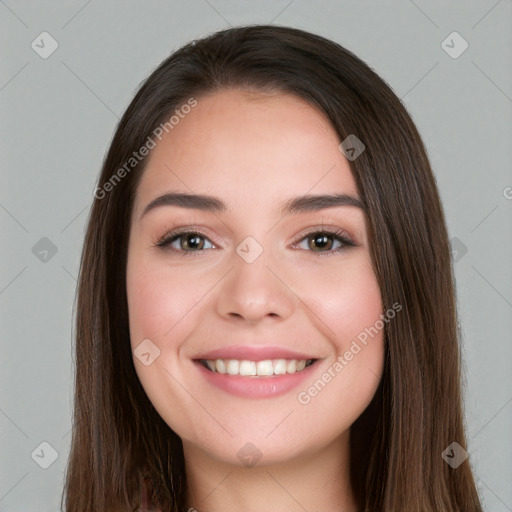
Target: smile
(265,368)
(265,378)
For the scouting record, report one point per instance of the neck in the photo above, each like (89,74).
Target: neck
(313,481)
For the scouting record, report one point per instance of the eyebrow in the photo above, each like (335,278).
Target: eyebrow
(301,204)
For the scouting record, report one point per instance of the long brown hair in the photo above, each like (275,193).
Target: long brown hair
(120,441)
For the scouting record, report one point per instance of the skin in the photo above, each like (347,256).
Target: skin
(254,151)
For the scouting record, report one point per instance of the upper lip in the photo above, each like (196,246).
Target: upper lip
(254,353)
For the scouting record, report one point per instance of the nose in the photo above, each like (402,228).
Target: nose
(257,290)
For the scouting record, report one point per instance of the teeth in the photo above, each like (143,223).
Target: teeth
(247,368)
(291,366)
(221,367)
(280,367)
(232,367)
(267,367)
(264,368)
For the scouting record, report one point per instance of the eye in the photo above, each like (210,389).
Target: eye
(319,241)
(188,242)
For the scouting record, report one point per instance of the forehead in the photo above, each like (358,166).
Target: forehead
(250,148)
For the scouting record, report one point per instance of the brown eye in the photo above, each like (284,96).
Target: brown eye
(187,242)
(191,241)
(323,242)
(320,241)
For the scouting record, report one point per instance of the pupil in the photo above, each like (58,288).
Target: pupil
(193,241)
(320,240)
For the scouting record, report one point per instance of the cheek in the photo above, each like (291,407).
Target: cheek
(345,296)
(347,302)
(159,300)
(161,308)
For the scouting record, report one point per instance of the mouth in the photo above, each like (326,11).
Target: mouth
(265,378)
(263,368)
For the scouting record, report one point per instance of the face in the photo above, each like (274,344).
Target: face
(253,282)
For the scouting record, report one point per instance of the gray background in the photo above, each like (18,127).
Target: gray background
(57,118)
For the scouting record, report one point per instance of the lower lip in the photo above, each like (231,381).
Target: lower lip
(256,387)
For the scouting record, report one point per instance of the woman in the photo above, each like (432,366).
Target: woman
(266,316)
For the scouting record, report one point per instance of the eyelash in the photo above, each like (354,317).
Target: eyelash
(339,235)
